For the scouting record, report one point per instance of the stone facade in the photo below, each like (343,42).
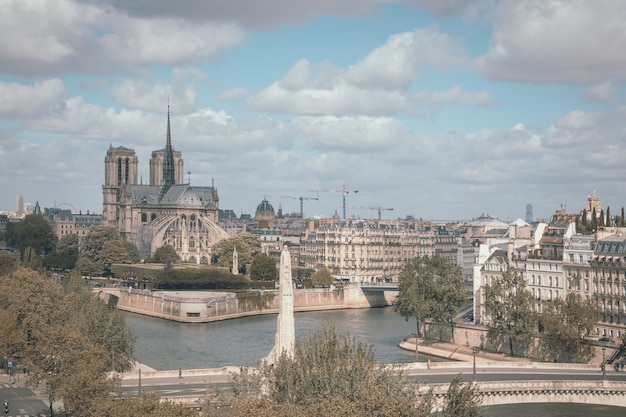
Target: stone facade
(356,250)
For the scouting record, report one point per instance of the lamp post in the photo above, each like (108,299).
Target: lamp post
(474,349)
(603,364)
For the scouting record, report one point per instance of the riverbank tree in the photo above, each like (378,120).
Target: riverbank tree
(510,313)
(330,375)
(429,287)
(566,325)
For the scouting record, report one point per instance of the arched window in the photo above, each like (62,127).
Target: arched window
(144,217)
(152,216)
(119,171)
(126,176)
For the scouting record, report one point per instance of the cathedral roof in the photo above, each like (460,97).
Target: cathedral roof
(182,195)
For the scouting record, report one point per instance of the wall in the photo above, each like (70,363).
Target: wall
(201,306)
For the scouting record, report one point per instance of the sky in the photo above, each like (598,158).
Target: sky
(439,109)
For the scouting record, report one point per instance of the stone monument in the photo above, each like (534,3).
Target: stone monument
(285,327)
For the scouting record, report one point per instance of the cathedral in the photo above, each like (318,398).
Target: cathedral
(164,212)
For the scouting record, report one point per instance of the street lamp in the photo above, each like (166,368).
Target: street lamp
(603,364)
(474,349)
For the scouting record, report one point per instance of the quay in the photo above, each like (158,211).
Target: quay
(208,306)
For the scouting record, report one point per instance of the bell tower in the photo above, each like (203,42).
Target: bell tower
(120,169)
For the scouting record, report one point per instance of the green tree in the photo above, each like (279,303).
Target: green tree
(31,259)
(565,324)
(91,245)
(65,254)
(61,338)
(462,400)
(322,277)
(35,232)
(133,252)
(248,246)
(113,252)
(429,287)
(87,268)
(510,311)
(263,268)
(7,263)
(166,254)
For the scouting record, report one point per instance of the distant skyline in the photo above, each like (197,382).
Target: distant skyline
(440,109)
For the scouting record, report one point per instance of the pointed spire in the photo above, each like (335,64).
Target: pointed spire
(168,160)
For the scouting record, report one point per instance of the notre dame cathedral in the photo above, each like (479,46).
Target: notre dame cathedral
(164,212)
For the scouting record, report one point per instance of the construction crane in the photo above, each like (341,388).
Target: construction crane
(380,209)
(343,192)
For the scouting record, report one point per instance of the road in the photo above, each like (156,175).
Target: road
(23,402)
(196,386)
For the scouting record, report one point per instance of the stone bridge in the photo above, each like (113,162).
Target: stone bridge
(612,393)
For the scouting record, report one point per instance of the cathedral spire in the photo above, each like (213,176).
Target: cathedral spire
(168,160)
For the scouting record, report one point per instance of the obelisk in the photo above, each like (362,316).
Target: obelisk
(285,327)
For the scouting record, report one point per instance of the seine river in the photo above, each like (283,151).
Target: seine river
(163,344)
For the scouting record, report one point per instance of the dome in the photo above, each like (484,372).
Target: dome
(265,208)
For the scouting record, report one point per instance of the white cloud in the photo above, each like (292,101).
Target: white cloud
(28,101)
(397,63)
(376,86)
(546,41)
(603,92)
(48,38)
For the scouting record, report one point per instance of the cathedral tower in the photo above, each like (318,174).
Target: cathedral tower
(120,169)
(167,162)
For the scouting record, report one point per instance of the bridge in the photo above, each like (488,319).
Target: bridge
(379,287)
(499,383)
(612,393)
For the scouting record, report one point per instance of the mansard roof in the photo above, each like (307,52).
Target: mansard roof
(615,244)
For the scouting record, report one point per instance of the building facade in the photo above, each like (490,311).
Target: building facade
(357,250)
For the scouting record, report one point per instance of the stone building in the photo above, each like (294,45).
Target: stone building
(64,222)
(608,272)
(357,250)
(164,212)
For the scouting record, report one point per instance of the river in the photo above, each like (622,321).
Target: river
(163,344)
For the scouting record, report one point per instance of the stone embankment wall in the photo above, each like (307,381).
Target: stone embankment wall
(198,306)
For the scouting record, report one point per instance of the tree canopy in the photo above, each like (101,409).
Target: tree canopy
(509,307)
(333,375)
(35,232)
(566,325)
(263,268)
(91,245)
(429,287)
(322,277)
(248,246)
(166,254)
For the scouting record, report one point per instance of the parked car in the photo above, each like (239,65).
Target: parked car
(606,340)
(468,317)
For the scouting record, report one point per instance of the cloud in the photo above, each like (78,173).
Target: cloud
(445,8)
(42,38)
(603,92)
(376,86)
(29,101)
(397,63)
(263,15)
(554,41)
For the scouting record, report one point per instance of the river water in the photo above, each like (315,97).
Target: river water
(163,344)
